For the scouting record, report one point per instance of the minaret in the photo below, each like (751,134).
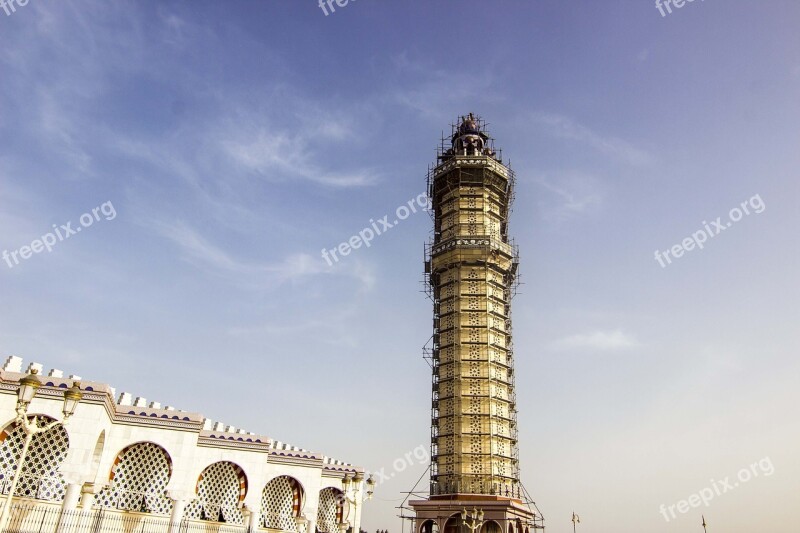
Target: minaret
(471,268)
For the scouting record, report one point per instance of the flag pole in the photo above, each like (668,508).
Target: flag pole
(704,524)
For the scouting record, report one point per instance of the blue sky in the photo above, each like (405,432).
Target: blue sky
(236,140)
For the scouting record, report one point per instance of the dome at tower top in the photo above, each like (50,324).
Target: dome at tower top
(469,125)
(468,139)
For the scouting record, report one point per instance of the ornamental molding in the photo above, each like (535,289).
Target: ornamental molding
(292,460)
(461,161)
(232,441)
(472,243)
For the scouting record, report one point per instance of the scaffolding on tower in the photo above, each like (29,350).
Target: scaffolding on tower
(471,277)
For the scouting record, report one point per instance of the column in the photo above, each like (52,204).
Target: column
(72,495)
(311,527)
(246,516)
(88,492)
(253,521)
(358,501)
(301,524)
(257,519)
(69,516)
(179,500)
(178,506)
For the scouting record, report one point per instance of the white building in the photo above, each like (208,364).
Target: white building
(123,464)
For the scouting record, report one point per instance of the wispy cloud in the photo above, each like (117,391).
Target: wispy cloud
(275,155)
(204,254)
(597,341)
(61,131)
(571,194)
(332,327)
(231,139)
(298,142)
(566,128)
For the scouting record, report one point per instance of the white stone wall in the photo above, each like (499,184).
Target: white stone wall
(190,447)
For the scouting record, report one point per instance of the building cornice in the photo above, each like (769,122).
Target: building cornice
(101,394)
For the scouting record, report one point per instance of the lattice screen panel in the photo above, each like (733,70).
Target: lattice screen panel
(329,515)
(220,488)
(280,504)
(40,478)
(139,480)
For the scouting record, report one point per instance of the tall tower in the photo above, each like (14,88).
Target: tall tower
(471,268)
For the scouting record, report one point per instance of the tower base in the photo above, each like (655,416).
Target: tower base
(442,514)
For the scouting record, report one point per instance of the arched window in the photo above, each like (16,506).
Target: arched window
(281,502)
(429,526)
(139,480)
(220,489)
(331,507)
(40,478)
(453,524)
(491,526)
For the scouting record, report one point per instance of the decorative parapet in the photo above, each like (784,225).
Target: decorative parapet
(336,468)
(127,409)
(240,441)
(283,453)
